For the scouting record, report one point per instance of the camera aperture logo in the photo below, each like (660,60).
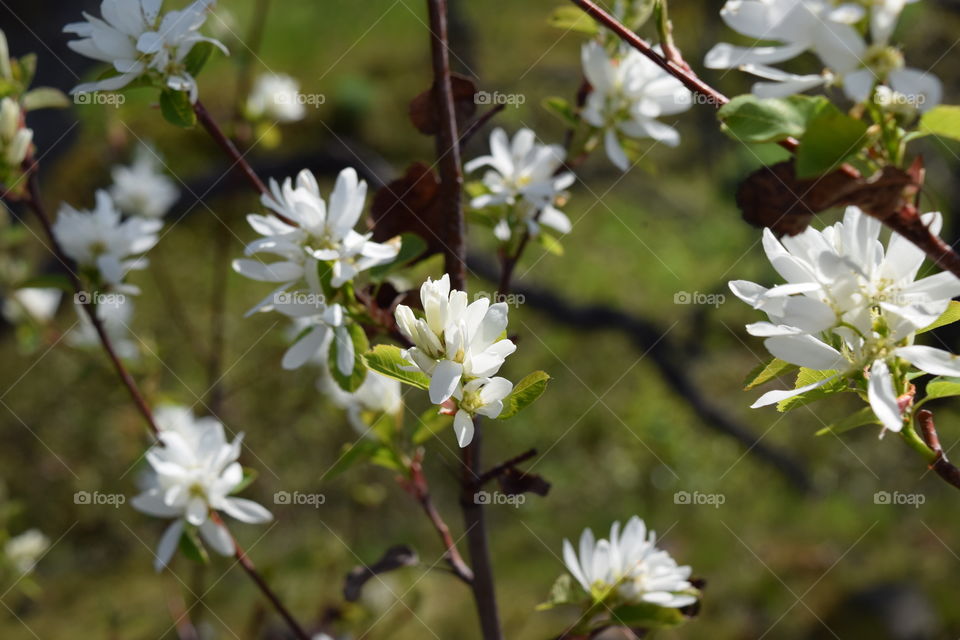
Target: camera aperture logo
(496,497)
(299,498)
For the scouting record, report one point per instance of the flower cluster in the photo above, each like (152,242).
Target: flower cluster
(460,347)
(15,138)
(100,240)
(851,309)
(829,30)
(628,93)
(139,42)
(629,568)
(142,189)
(194,471)
(320,254)
(523,183)
(277,97)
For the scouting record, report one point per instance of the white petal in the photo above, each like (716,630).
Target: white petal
(218,537)
(463,426)
(883,397)
(168,544)
(446,377)
(935,361)
(805,351)
(246,510)
(773,397)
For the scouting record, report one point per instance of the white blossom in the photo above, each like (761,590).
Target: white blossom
(523,174)
(629,567)
(276,96)
(137,40)
(829,30)
(325,233)
(480,396)
(842,284)
(24,550)
(194,471)
(100,239)
(628,93)
(142,189)
(116,318)
(32,303)
(15,139)
(377,394)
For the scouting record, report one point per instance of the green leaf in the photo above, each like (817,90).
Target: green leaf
(562,109)
(750,119)
(45,98)
(192,548)
(49,281)
(647,616)
(249,475)
(177,108)
(352,382)
(351,454)
(809,376)
(526,391)
(830,139)
(550,243)
(24,68)
(386,359)
(860,418)
(942,388)
(198,56)
(573,19)
(431,423)
(766,372)
(943,121)
(951,315)
(412,247)
(563,591)
(388,458)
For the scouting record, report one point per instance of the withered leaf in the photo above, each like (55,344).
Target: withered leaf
(425,113)
(395,557)
(410,204)
(774,197)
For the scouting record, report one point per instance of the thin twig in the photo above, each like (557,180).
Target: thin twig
(479,123)
(943,467)
(498,470)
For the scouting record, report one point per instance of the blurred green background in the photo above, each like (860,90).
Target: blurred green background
(615,439)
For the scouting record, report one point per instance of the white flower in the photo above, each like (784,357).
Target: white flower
(454,342)
(116,320)
(276,96)
(629,567)
(142,189)
(14,139)
(325,233)
(829,30)
(377,394)
(138,41)
(320,321)
(628,93)
(842,284)
(480,396)
(31,303)
(194,471)
(523,172)
(23,551)
(100,239)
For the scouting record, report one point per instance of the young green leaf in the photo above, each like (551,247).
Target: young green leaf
(830,139)
(192,548)
(431,423)
(809,376)
(647,616)
(943,121)
(766,372)
(563,591)
(750,119)
(942,388)
(177,109)
(353,381)
(526,391)
(45,98)
(951,315)
(351,455)
(550,243)
(198,56)
(386,359)
(860,418)
(562,109)
(573,19)
(249,475)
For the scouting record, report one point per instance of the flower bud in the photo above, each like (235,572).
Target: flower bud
(9,119)
(17,150)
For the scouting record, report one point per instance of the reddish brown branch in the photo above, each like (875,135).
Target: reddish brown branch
(478,123)
(943,467)
(498,470)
